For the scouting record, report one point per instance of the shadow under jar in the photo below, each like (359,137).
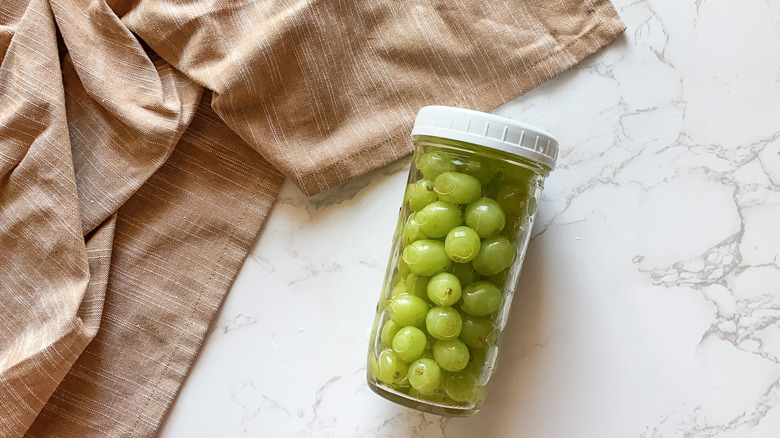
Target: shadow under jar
(469,206)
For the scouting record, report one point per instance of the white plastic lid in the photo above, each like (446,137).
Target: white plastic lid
(487,130)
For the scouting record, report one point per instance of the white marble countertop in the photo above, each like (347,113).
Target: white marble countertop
(649,304)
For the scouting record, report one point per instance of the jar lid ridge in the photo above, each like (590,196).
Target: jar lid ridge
(487,130)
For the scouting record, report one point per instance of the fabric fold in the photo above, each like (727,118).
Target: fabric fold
(326,91)
(125,113)
(179,242)
(43,254)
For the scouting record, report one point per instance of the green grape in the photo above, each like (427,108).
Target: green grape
(372,366)
(407,309)
(419,194)
(513,197)
(417,285)
(481,298)
(438,218)
(402,269)
(443,323)
(444,289)
(409,344)
(462,244)
(477,360)
(412,231)
(458,188)
(426,257)
(516,173)
(514,225)
(482,170)
(434,396)
(492,187)
(461,387)
(495,255)
(391,369)
(498,279)
(451,355)
(424,375)
(476,333)
(429,345)
(399,288)
(433,164)
(388,332)
(465,273)
(485,217)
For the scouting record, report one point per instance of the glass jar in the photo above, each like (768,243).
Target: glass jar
(469,206)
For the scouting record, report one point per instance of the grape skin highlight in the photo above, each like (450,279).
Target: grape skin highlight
(426,257)
(438,218)
(462,244)
(391,369)
(451,355)
(407,309)
(443,323)
(458,188)
(444,289)
(495,255)
(420,194)
(485,217)
(409,344)
(424,375)
(481,298)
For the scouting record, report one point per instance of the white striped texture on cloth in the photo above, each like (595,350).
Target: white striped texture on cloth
(143,142)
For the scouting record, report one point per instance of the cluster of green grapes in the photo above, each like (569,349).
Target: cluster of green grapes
(459,227)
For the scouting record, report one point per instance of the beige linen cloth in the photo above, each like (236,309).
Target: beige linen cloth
(142,144)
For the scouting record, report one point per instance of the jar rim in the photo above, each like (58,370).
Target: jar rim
(488,130)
